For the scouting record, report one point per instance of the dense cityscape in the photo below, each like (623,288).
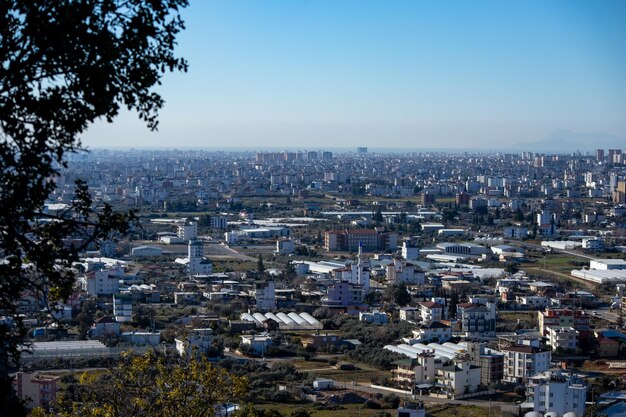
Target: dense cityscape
(353,208)
(378,283)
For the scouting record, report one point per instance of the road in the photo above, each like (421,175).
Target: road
(604,313)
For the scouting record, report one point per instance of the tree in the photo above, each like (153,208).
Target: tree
(454,301)
(260,266)
(151,386)
(400,295)
(64,65)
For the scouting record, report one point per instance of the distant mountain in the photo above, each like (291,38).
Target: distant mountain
(565,141)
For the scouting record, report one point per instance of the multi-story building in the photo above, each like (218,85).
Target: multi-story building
(434,331)
(197,341)
(430,310)
(513,232)
(523,361)
(491,363)
(187,231)
(284,246)
(555,392)
(265,295)
(37,390)
(477,320)
(104,326)
(410,252)
(459,379)
(105,281)
(562,317)
(619,194)
(218,222)
(565,338)
(420,370)
(368,239)
(343,294)
(408,313)
(402,271)
(123,307)
(198,264)
(375,317)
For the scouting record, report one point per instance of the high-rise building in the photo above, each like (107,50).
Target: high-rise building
(600,155)
(619,194)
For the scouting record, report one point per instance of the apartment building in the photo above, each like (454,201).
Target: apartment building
(556,392)
(37,390)
(430,310)
(265,295)
(477,320)
(562,317)
(523,361)
(459,379)
(420,370)
(562,338)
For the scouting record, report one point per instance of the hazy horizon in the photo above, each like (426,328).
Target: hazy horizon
(411,75)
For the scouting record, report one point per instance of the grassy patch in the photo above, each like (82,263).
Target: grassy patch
(356,410)
(451,410)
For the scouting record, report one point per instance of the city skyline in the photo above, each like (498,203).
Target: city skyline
(487,75)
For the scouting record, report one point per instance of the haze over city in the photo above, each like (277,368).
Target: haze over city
(444,75)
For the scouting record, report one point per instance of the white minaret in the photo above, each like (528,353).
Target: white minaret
(363,270)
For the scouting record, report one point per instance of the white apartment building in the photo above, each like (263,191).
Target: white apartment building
(122,308)
(523,361)
(403,271)
(544,217)
(430,310)
(459,379)
(409,252)
(284,247)
(265,295)
(555,392)
(103,282)
(408,313)
(435,331)
(188,231)
(516,232)
(563,338)
(258,344)
(198,340)
(219,222)
(374,317)
(198,264)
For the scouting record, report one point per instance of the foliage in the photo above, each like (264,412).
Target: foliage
(148,385)
(399,294)
(64,65)
(260,266)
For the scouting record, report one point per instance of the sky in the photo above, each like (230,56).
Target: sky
(388,74)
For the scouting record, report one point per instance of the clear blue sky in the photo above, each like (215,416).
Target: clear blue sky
(380,73)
